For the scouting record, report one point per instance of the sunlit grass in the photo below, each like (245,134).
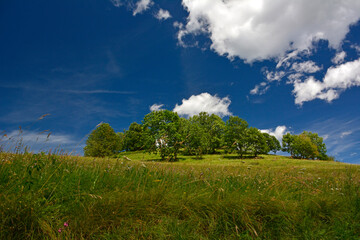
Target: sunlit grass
(138,197)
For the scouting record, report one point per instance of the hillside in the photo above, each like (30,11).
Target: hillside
(217,197)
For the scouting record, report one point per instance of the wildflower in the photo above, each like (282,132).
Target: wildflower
(59,230)
(66,224)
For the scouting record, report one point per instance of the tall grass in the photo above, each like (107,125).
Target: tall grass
(44,196)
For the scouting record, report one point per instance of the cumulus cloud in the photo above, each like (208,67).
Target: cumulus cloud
(163,14)
(278,133)
(142,6)
(260,29)
(204,103)
(306,67)
(336,80)
(156,107)
(339,57)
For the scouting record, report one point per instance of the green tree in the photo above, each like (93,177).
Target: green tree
(256,141)
(207,130)
(196,141)
(133,140)
(235,136)
(272,143)
(304,147)
(288,143)
(216,128)
(318,141)
(102,142)
(162,134)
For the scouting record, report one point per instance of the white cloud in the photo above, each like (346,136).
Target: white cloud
(40,137)
(37,141)
(261,29)
(278,133)
(356,47)
(116,3)
(336,80)
(344,134)
(156,107)
(285,60)
(142,6)
(339,58)
(306,67)
(163,14)
(260,89)
(204,103)
(294,77)
(274,76)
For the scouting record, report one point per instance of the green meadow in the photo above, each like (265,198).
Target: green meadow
(137,196)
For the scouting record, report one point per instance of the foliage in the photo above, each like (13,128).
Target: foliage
(162,134)
(203,133)
(306,145)
(102,142)
(257,142)
(272,143)
(288,143)
(235,136)
(133,140)
(196,140)
(318,141)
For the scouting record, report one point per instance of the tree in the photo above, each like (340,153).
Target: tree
(196,138)
(318,141)
(288,143)
(235,135)
(306,145)
(272,143)
(207,130)
(256,141)
(102,142)
(133,140)
(216,128)
(162,133)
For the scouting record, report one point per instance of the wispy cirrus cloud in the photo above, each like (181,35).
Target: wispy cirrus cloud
(70,91)
(341,137)
(37,141)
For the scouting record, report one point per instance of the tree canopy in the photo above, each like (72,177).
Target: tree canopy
(102,142)
(305,145)
(165,133)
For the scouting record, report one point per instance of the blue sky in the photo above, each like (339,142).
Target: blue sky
(286,66)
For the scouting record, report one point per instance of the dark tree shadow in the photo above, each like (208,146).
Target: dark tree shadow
(243,157)
(165,160)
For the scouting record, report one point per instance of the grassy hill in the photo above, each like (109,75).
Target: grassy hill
(135,196)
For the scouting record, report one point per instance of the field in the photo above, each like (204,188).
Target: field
(135,196)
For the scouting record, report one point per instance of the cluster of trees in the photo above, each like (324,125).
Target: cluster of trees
(306,145)
(166,133)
